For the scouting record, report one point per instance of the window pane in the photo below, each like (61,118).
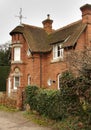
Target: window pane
(54,51)
(58,51)
(17,54)
(29,80)
(16,84)
(61,52)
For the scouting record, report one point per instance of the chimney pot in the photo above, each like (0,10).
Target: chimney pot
(86,13)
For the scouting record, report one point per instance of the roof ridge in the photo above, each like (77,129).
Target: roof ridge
(66,26)
(32,26)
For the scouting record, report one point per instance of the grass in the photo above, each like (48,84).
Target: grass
(70,123)
(7,109)
(38,119)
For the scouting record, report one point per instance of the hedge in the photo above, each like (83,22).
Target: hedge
(46,102)
(4,71)
(73,99)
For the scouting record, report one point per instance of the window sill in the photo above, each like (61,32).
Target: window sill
(56,60)
(16,44)
(18,41)
(16,62)
(14,90)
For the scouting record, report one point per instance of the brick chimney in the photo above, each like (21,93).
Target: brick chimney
(86,18)
(86,13)
(47,24)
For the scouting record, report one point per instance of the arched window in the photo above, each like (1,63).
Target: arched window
(16,78)
(16,81)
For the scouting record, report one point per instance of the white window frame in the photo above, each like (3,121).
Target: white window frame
(58,51)
(59,81)
(29,80)
(17,54)
(9,86)
(16,82)
(28,52)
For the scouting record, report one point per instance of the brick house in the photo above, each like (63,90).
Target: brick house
(38,54)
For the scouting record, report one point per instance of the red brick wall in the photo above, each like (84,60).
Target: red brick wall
(41,67)
(8,102)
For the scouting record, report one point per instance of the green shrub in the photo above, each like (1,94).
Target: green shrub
(30,93)
(76,93)
(56,106)
(43,101)
(68,93)
(46,102)
(73,98)
(49,103)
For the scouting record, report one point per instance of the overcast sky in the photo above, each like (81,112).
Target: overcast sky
(62,12)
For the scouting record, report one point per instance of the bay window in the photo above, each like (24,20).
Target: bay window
(17,56)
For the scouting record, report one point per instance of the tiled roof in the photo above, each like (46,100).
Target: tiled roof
(36,37)
(67,35)
(39,41)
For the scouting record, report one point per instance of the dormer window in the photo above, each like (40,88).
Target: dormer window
(57,51)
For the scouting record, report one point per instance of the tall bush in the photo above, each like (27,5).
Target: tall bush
(76,92)
(46,102)
(68,93)
(73,98)
(30,93)
(56,107)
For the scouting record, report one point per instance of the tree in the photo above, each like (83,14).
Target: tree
(5,54)
(80,61)
(4,65)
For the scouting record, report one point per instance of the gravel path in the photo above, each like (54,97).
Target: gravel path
(16,121)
